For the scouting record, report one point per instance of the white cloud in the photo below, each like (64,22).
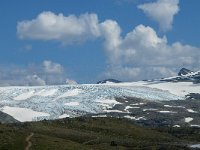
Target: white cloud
(34,80)
(46,73)
(150,50)
(70,82)
(125,73)
(161,11)
(140,54)
(49,26)
(111,31)
(51,67)
(122,73)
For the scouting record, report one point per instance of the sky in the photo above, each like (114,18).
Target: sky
(52,42)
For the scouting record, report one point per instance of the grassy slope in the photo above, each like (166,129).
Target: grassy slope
(92,133)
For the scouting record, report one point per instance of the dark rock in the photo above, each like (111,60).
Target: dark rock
(184,75)
(184,71)
(5,118)
(108,80)
(193,96)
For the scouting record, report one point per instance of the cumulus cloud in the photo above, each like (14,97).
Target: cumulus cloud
(143,47)
(132,73)
(49,26)
(34,80)
(51,67)
(140,54)
(161,11)
(46,73)
(111,31)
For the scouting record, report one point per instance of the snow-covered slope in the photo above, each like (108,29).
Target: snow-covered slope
(51,102)
(179,89)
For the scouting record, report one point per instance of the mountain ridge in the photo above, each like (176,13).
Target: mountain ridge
(184,75)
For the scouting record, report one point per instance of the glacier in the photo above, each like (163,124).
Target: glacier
(75,100)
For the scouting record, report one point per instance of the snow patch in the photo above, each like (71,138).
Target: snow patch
(109,82)
(118,111)
(188,119)
(191,111)
(195,146)
(180,89)
(169,106)
(134,118)
(24,96)
(64,116)
(23,114)
(195,125)
(107,103)
(136,104)
(165,111)
(128,107)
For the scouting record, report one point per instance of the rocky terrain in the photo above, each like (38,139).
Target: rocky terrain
(185,75)
(5,118)
(108,80)
(176,113)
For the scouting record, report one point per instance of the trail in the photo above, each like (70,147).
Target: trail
(91,140)
(28,141)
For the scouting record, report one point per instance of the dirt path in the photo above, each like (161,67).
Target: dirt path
(28,141)
(91,140)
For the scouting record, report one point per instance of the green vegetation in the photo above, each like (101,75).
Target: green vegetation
(95,134)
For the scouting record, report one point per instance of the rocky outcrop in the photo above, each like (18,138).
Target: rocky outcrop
(184,75)
(108,80)
(5,118)
(184,71)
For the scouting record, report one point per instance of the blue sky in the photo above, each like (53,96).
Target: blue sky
(150,44)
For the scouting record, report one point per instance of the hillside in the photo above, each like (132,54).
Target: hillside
(94,133)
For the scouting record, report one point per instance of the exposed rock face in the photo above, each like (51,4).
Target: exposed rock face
(184,71)
(156,113)
(108,80)
(193,96)
(5,118)
(184,75)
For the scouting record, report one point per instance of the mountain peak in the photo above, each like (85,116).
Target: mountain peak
(108,80)
(184,71)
